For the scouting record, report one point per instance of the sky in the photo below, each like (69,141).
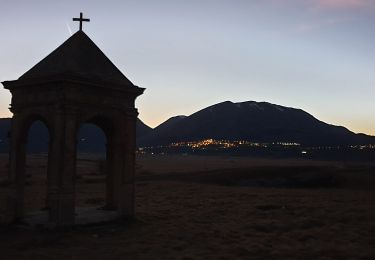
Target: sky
(317,55)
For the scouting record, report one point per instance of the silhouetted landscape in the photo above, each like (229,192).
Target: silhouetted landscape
(250,128)
(249,180)
(94,166)
(227,182)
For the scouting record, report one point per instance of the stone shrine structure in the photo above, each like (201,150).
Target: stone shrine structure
(75,84)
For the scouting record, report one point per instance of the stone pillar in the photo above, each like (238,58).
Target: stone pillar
(62,168)
(117,168)
(110,199)
(126,194)
(16,177)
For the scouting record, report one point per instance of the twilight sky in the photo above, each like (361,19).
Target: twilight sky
(317,55)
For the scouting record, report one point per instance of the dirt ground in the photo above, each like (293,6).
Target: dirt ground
(201,207)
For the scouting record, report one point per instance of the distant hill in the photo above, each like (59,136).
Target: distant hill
(253,121)
(142,128)
(90,140)
(168,124)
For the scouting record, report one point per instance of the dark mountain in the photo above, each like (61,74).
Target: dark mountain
(169,123)
(142,129)
(90,138)
(253,121)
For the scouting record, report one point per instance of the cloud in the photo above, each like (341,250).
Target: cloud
(342,4)
(322,24)
(325,4)
(311,26)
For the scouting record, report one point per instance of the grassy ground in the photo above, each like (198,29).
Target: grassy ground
(215,208)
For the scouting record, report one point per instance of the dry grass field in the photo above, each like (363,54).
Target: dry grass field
(196,207)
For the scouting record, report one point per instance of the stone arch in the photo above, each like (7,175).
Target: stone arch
(119,129)
(19,137)
(107,125)
(105,122)
(36,168)
(29,119)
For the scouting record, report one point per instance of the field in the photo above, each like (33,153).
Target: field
(201,207)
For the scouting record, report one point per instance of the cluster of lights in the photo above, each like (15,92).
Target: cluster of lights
(228,144)
(355,147)
(362,147)
(225,144)
(204,143)
(287,144)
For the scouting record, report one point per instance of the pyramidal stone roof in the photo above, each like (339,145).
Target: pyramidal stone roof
(78,57)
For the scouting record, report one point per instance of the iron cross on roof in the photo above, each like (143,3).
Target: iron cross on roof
(81,19)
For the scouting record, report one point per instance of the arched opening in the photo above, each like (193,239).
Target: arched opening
(36,137)
(92,174)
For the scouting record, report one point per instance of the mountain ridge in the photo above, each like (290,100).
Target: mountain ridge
(249,120)
(256,121)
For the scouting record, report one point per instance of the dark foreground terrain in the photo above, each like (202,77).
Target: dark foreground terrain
(191,207)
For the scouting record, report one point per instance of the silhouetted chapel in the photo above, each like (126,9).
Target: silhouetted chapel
(75,84)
